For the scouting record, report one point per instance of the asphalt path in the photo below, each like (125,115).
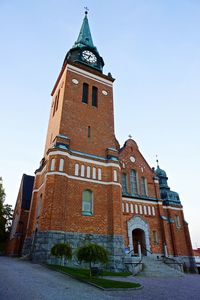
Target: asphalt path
(24,280)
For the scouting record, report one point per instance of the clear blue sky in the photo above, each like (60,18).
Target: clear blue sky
(152,48)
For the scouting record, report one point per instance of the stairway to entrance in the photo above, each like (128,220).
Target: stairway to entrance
(153,267)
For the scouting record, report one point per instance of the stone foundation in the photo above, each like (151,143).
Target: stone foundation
(40,249)
(188,262)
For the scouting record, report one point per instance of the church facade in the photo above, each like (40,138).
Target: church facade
(89,189)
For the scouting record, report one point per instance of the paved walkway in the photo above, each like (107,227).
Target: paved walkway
(24,280)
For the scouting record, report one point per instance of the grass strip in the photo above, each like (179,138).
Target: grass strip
(83,274)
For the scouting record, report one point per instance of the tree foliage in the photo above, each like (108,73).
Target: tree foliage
(6,213)
(92,253)
(62,251)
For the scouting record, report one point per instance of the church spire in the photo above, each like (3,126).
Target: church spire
(85,37)
(83,50)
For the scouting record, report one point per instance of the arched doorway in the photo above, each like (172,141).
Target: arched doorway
(138,230)
(138,236)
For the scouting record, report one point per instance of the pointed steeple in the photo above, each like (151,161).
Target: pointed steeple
(83,50)
(85,37)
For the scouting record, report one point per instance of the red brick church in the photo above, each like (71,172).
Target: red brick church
(87,187)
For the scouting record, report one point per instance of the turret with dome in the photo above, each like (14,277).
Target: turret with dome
(168,196)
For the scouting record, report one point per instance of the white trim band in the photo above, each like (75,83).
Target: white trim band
(171,207)
(88,75)
(141,201)
(84,159)
(37,190)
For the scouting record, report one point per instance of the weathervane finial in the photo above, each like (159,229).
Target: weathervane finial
(86,10)
(157,160)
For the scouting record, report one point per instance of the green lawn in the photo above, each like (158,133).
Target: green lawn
(83,274)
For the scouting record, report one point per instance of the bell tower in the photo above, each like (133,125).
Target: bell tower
(82,100)
(77,191)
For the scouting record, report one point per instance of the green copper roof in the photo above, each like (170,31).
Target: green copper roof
(85,37)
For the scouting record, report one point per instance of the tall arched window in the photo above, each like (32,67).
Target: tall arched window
(76,169)
(94,96)
(39,206)
(53,161)
(133,180)
(115,175)
(143,186)
(99,174)
(82,170)
(87,203)
(88,172)
(85,93)
(132,210)
(124,183)
(61,165)
(94,173)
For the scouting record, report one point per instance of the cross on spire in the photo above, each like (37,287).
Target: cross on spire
(157,160)
(86,10)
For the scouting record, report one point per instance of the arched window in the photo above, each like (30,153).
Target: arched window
(88,172)
(136,208)
(124,183)
(58,95)
(85,93)
(155,237)
(115,175)
(143,186)
(153,211)
(87,203)
(145,209)
(133,180)
(39,206)
(94,96)
(149,210)
(177,221)
(132,211)
(53,161)
(82,170)
(76,169)
(94,173)
(127,207)
(61,165)
(89,131)
(99,174)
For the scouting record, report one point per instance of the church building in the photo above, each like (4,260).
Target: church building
(88,188)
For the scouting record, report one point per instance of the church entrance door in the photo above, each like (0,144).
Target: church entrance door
(139,237)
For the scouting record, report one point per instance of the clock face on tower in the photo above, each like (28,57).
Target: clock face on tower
(89,56)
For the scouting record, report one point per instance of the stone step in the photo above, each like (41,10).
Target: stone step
(157,268)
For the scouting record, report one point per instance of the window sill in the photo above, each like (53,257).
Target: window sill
(87,213)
